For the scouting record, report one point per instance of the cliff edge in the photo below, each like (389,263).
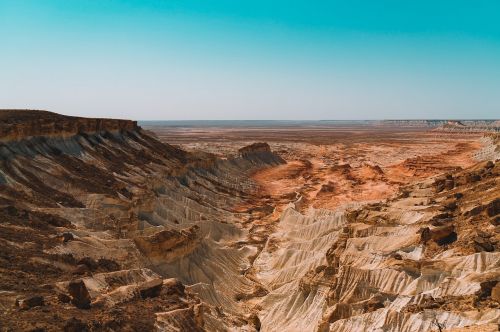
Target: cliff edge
(21,124)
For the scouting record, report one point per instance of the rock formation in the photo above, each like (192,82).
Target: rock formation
(18,125)
(260,153)
(103,227)
(99,216)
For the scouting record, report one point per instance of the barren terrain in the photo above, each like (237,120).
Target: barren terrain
(107,226)
(330,166)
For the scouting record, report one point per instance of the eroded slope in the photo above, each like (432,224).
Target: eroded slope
(98,219)
(103,227)
(427,259)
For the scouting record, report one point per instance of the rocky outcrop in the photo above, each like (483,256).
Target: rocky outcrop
(31,302)
(445,125)
(23,124)
(260,153)
(470,126)
(79,294)
(166,245)
(490,149)
(454,127)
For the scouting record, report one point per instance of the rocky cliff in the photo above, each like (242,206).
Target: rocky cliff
(22,124)
(445,125)
(97,217)
(260,153)
(470,126)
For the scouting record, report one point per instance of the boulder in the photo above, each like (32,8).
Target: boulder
(471,178)
(425,234)
(66,237)
(444,235)
(441,235)
(151,288)
(89,262)
(450,206)
(439,187)
(449,184)
(475,211)
(408,266)
(443,215)
(404,194)
(289,196)
(493,208)
(31,302)
(483,244)
(174,286)
(439,184)
(79,293)
(265,209)
(487,289)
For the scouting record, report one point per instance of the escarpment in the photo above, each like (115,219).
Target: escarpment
(115,230)
(260,153)
(22,124)
(104,227)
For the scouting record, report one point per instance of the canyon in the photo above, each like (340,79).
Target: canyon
(111,225)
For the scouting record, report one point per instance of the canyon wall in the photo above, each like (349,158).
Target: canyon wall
(98,217)
(18,125)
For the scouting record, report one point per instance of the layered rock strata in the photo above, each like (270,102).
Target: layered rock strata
(425,260)
(110,229)
(103,227)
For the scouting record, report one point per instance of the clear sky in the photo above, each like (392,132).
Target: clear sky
(258,59)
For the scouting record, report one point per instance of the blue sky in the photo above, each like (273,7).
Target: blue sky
(252,59)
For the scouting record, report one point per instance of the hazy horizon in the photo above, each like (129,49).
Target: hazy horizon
(303,120)
(252,60)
